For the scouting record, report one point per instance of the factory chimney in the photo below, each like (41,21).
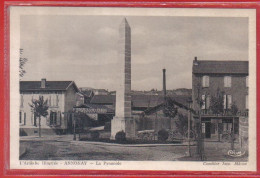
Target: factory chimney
(164,83)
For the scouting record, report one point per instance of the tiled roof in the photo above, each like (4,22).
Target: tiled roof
(95,106)
(220,67)
(140,101)
(50,85)
(103,99)
(87,92)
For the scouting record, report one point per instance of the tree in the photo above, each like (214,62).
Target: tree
(217,104)
(40,109)
(22,62)
(182,123)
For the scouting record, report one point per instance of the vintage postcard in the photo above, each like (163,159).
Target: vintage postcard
(132,88)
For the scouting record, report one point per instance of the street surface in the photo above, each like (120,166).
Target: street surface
(64,148)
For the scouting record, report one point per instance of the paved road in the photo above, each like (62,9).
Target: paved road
(63,148)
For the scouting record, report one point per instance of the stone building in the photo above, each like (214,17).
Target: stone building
(225,79)
(61,96)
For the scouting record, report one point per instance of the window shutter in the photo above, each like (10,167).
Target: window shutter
(53,99)
(57,100)
(207,101)
(203,102)
(24,119)
(207,81)
(246,81)
(20,117)
(225,101)
(48,120)
(229,81)
(50,100)
(229,98)
(58,118)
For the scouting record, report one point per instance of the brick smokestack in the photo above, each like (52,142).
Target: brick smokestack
(164,83)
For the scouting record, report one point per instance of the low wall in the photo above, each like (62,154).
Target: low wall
(44,131)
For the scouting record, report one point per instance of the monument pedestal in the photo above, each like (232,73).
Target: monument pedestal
(123,124)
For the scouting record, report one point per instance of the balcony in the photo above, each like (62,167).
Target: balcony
(225,113)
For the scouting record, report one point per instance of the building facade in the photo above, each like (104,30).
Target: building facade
(220,93)
(61,98)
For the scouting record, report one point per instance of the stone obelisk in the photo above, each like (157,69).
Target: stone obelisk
(123,119)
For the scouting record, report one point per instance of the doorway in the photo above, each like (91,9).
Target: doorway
(207,129)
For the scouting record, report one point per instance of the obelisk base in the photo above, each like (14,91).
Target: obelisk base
(123,124)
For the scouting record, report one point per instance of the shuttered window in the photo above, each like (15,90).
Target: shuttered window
(227,81)
(205,81)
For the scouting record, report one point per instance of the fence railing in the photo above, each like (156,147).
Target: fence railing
(226,112)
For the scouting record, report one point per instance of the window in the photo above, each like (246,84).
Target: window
(246,81)
(53,118)
(206,101)
(227,81)
(227,101)
(205,81)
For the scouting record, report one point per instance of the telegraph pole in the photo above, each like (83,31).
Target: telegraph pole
(74,125)
(189,119)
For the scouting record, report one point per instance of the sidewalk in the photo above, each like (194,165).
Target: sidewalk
(48,138)
(215,151)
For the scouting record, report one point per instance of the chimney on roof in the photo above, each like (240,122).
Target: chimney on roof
(195,61)
(43,83)
(164,83)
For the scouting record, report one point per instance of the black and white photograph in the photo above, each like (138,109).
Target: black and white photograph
(132,88)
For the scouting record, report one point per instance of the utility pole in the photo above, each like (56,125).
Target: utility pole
(189,119)
(232,134)
(200,129)
(74,125)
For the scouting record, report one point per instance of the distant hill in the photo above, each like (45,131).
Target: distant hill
(179,92)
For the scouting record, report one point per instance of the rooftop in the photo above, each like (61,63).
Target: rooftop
(220,67)
(49,86)
(140,101)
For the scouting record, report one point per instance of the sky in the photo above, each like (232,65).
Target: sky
(84,48)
